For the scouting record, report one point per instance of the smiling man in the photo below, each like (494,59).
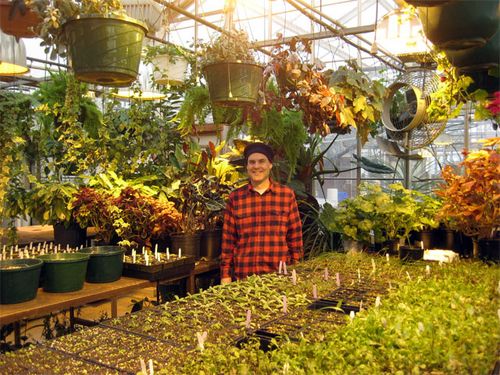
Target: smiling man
(261,223)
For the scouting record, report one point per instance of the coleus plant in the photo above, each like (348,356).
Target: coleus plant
(471,201)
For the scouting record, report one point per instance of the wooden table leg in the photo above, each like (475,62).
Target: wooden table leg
(191,283)
(72,319)
(17,334)
(114,308)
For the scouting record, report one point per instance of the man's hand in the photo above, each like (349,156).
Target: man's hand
(225,280)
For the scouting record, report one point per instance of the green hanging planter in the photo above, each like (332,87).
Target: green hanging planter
(105,50)
(427,3)
(64,272)
(233,84)
(474,59)
(105,263)
(460,24)
(19,280)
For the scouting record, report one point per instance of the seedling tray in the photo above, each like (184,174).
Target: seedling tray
(331,305)
(160,271)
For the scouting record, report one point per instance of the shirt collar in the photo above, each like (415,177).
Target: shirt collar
(270,188)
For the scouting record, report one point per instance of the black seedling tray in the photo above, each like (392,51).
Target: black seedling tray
(331,305)
(171,269)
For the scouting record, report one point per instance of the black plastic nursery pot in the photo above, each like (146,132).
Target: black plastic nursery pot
(69,235)
(188,243)
(105,263)
(476,59)
(210,245)
(489,249)
(410,253)
(19,280)
(64,272)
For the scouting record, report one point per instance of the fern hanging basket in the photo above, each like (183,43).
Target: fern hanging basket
(233,84)
(105,50)
(13,21)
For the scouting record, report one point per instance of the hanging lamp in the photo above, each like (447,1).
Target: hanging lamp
(12,56)
(400,32)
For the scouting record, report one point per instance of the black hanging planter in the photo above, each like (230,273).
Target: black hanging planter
(71,235)
(476,59)
(460,24)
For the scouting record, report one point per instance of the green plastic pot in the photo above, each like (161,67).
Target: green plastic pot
(105,50)
(105,263)
(233,84)
(460,24)
(19,280)
(64,272)
(475,59)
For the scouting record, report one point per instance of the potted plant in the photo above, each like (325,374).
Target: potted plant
(231,71)
(471,199)
(170,63)
(139,218)
(17,19)
(458,25)
(362,97)
(103,44)
(94,208)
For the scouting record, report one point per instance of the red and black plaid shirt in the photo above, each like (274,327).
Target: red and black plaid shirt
(260,231)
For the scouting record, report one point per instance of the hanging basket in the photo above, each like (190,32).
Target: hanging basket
(233,84)
(147,11)
(427,3)
(105,50)
(17,24)
(171,70)
(460,24)
(474,59)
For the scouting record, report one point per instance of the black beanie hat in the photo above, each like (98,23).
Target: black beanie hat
(260,148)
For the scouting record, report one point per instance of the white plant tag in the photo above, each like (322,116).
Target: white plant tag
(151,370)
(249,319)
(285,305)
(374,266)
(143,366)
(337,276)
(315,292)
(427,269)
(352,315)
(325,274)
(387,257)
(294,277)
(280,267)
(201,339)
(377,301)
(285,272)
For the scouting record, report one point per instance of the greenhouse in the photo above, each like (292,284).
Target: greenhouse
(249,187)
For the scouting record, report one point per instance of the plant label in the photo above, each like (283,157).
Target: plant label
(352,315)
(315,292)
(337,276)
(280,267)
(249,318)
(377,301)
(143,366)
(374,266)
(359,276)
(285,307)
(387,257)
(168,253)
(201,339)
(179,253)
(325,275)
(285,272)
(151,370)
(294,277)
(427,269)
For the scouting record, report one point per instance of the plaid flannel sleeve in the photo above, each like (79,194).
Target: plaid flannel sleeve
(229,238)
(294,233)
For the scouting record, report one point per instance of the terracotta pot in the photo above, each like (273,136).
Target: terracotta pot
(17,24)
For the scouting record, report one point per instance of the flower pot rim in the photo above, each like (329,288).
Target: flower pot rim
(233,62)
(64,257)
(36,263)
(110,16)
(102,251)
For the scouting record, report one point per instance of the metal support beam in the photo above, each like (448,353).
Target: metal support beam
(300,5)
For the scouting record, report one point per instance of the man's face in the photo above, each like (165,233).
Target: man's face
(258,167)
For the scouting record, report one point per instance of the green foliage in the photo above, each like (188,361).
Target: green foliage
(234,47)
(385,215)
